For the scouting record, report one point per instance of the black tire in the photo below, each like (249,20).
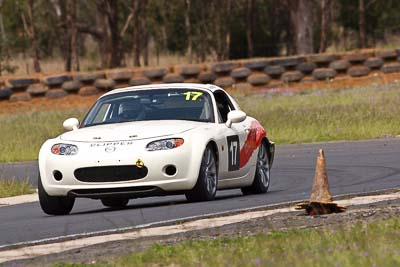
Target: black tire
(206,185)
(54,205)
(262,177)
(115,202)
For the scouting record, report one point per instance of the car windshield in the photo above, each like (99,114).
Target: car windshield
(155,104)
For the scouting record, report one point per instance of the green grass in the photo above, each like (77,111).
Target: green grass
(311,116)
(375,244)
(328,115)
(23,134)
(10,188)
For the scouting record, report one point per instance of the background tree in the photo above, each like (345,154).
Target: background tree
(115,33)
(361,24)
(301,14)
(3,40)
(72,61)
(108,9)
(145,32)
(136,11)
(250,27)
(28,20)
(326,11)
(188,30)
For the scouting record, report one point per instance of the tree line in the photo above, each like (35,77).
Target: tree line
(131,30)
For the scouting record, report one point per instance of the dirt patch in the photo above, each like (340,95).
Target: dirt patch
(278,222)
(42,104)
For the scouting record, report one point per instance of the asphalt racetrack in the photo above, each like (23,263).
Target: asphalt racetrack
(353,167)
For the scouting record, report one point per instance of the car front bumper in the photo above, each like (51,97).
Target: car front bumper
(155,182)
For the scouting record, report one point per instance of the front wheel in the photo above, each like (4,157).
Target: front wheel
(115,202)
(54,205)
(206,185)
(262,177)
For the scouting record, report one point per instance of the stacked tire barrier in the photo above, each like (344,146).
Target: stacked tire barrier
(242,75)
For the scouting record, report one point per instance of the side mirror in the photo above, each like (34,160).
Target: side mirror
(235,116)
(71,124)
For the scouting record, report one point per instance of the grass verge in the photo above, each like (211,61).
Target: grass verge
(328,115)
(22,134)
(308,116)
(10,188)
(374,244)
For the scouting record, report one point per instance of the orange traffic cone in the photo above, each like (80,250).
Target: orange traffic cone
(321,198)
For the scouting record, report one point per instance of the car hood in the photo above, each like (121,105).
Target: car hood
(129,131)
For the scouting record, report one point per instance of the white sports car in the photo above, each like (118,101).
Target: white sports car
(155,140)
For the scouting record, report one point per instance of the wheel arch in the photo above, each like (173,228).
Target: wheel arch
(200,190)
(214,147)
(270,150)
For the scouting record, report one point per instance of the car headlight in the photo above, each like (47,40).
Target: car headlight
(165,144)
(64,149)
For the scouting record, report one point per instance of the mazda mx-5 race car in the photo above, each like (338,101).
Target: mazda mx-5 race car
(155,140)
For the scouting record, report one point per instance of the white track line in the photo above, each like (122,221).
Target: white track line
(7,201)
(57,247)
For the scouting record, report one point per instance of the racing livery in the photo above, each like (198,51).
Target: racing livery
(155,140)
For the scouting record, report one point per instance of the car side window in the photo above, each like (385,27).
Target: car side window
(224,106)
(102,114)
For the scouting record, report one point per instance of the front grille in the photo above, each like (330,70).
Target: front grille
(110,173)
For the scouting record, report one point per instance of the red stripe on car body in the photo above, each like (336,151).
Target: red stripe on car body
(253,140)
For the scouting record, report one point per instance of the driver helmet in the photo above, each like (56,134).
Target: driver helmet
(131,110)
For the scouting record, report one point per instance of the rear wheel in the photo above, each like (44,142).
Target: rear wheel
(115,202)
(206,185)
(262,176)
(54,205)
